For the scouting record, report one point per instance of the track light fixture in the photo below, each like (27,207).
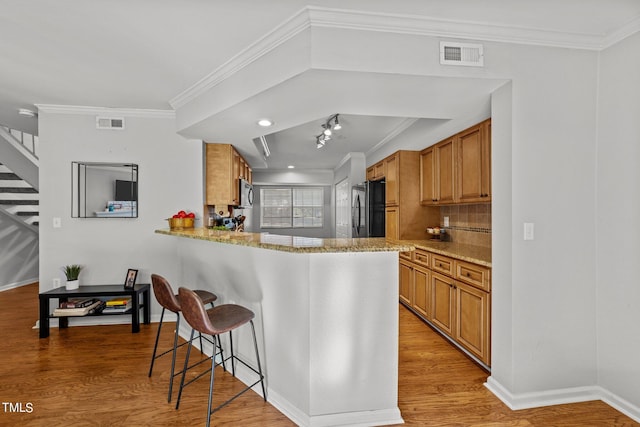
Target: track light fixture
(327,130)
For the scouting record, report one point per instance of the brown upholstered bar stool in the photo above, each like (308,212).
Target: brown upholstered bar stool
(169,301)
(215,321)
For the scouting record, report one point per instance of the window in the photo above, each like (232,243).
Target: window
(291,207)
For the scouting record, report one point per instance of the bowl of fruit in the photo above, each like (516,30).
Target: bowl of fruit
(182,220)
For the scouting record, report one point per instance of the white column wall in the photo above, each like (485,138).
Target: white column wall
(618,211)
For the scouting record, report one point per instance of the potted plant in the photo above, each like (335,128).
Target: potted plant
(72,272)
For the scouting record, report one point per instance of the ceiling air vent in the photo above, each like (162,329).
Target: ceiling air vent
(461,54)
(110,123)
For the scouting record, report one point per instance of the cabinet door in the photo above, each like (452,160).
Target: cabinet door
(391,180)
(445,177)
(421,291)
(472,320)
(378,170)
(427,177)
(442,303)
(371,173)
(473,165)
(486,162)
(218,174)
(392,224)
(406,282)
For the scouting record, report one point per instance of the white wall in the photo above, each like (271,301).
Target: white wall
(169,179)
(618,211)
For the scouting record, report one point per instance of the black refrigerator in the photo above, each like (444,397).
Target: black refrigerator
(367,209)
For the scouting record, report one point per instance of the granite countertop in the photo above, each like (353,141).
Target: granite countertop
(291,243)
(475,254)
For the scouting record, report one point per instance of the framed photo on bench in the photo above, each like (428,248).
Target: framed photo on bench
(130,280)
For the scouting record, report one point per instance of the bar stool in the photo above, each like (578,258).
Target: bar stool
(169,301)
(216,321)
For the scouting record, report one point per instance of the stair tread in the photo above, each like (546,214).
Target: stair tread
(18,190)
(19,202)
(27,213)
(9,176)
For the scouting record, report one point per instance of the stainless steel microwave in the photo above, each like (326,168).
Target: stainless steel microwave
(246,194)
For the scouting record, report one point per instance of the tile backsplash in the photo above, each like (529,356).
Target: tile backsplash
(469,224)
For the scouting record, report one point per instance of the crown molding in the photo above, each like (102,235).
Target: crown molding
(127,112)
(621,33)
(276,37)
(312,16)
(404,125)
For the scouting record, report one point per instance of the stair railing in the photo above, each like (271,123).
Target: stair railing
(26,140)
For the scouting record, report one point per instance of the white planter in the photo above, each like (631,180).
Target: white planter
(72,284)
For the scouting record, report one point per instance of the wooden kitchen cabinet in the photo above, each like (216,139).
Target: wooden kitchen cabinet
(472,326)
(415,287)
(452,295)
(474,164)
(458,169)
(421,302)
(427,176)
(376,171)
(445,171)
(392,196)
(392,223)
(224,166)
(406,218)
(406,282)
(443,303)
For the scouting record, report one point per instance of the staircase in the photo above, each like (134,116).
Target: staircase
(19,176)
(17,197)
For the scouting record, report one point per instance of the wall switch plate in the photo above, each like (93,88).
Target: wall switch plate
(56,283)
(528,231)
(446,221)
(57,222)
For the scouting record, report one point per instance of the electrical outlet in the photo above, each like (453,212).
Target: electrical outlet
(56,283)
(446,221)
(57,222)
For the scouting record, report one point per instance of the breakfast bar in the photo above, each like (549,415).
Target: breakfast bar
(326,317)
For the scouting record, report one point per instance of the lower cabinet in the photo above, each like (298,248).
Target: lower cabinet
(451,299)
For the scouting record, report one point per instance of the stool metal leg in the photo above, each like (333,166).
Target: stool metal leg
(184,370)
(213,366)
(155,347)
(173,358)
(255,344)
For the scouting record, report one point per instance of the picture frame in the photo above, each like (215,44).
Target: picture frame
(130,279)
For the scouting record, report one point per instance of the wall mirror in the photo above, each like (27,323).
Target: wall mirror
(104,190)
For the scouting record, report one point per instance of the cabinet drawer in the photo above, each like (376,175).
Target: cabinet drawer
(473,274)
(442,264)
(421,257)
(408,255)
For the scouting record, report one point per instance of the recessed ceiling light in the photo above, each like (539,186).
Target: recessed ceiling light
(265,122)
(291,167)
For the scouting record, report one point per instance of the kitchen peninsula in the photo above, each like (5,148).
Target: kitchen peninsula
(326,317)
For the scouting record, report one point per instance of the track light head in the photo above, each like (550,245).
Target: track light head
(337,125)
(327,131)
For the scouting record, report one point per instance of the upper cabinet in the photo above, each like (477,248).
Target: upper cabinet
(224,168)
(474,164)
(458,169)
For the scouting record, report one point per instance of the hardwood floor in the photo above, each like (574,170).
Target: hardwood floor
(97,375)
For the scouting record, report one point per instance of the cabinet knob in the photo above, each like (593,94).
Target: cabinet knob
(468,274)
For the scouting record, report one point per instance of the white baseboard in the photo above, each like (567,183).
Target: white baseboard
(17,284)
(560,397)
